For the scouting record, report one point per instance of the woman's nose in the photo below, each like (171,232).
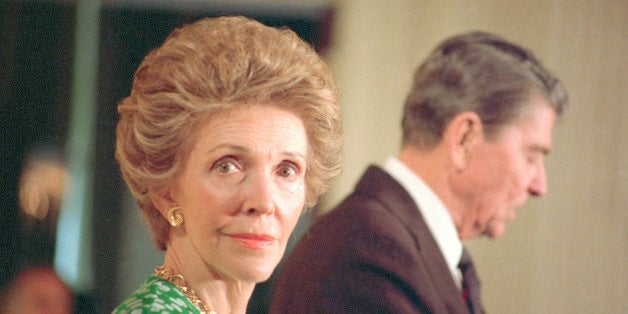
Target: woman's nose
(259,198)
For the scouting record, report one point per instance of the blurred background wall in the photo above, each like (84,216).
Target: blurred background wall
(565,253)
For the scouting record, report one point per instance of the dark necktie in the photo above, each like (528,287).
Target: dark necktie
(470,283)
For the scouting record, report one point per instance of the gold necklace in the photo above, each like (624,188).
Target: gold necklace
(178,280)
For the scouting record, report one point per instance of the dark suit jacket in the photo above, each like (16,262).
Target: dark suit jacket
(372,254)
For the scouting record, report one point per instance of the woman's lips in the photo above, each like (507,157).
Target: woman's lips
(253,241)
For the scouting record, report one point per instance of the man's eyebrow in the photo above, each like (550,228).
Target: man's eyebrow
(542,149)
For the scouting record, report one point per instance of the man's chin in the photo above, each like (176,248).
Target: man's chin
(495,232)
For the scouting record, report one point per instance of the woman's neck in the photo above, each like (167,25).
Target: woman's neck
(228,297)
(223,295)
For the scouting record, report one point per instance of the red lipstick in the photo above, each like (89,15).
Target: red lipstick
(253,241)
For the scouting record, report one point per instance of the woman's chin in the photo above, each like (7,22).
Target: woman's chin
(253,275)
(257,272)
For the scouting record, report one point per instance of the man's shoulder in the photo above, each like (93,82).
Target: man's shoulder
(376,201)
(356,227)
(356,213)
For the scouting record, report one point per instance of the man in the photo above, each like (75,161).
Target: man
(477,125)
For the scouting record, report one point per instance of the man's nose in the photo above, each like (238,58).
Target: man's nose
(538,184)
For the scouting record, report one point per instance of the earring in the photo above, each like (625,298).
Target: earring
(175,218)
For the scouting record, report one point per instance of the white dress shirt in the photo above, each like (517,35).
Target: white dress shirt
(434,212)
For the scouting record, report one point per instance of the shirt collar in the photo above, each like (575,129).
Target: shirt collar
(434,212)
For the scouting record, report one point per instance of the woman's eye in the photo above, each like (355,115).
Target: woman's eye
(226,167)
(288,171)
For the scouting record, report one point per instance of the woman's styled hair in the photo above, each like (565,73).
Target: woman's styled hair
(478,72)
(208,67)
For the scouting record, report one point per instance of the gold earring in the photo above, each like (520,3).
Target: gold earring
(175,218)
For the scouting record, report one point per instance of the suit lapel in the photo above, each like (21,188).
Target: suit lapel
(383,187)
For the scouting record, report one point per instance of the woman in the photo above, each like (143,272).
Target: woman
(231,129)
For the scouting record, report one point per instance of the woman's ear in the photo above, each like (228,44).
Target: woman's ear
(163,200)
(464,134)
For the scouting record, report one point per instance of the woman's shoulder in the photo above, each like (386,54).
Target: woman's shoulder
(156,295)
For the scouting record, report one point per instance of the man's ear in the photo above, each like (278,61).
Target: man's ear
(463,134)
(163,200)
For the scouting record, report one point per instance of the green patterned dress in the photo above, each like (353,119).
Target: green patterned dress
(156,295)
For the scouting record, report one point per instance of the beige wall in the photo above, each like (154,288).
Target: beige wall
(567,252)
